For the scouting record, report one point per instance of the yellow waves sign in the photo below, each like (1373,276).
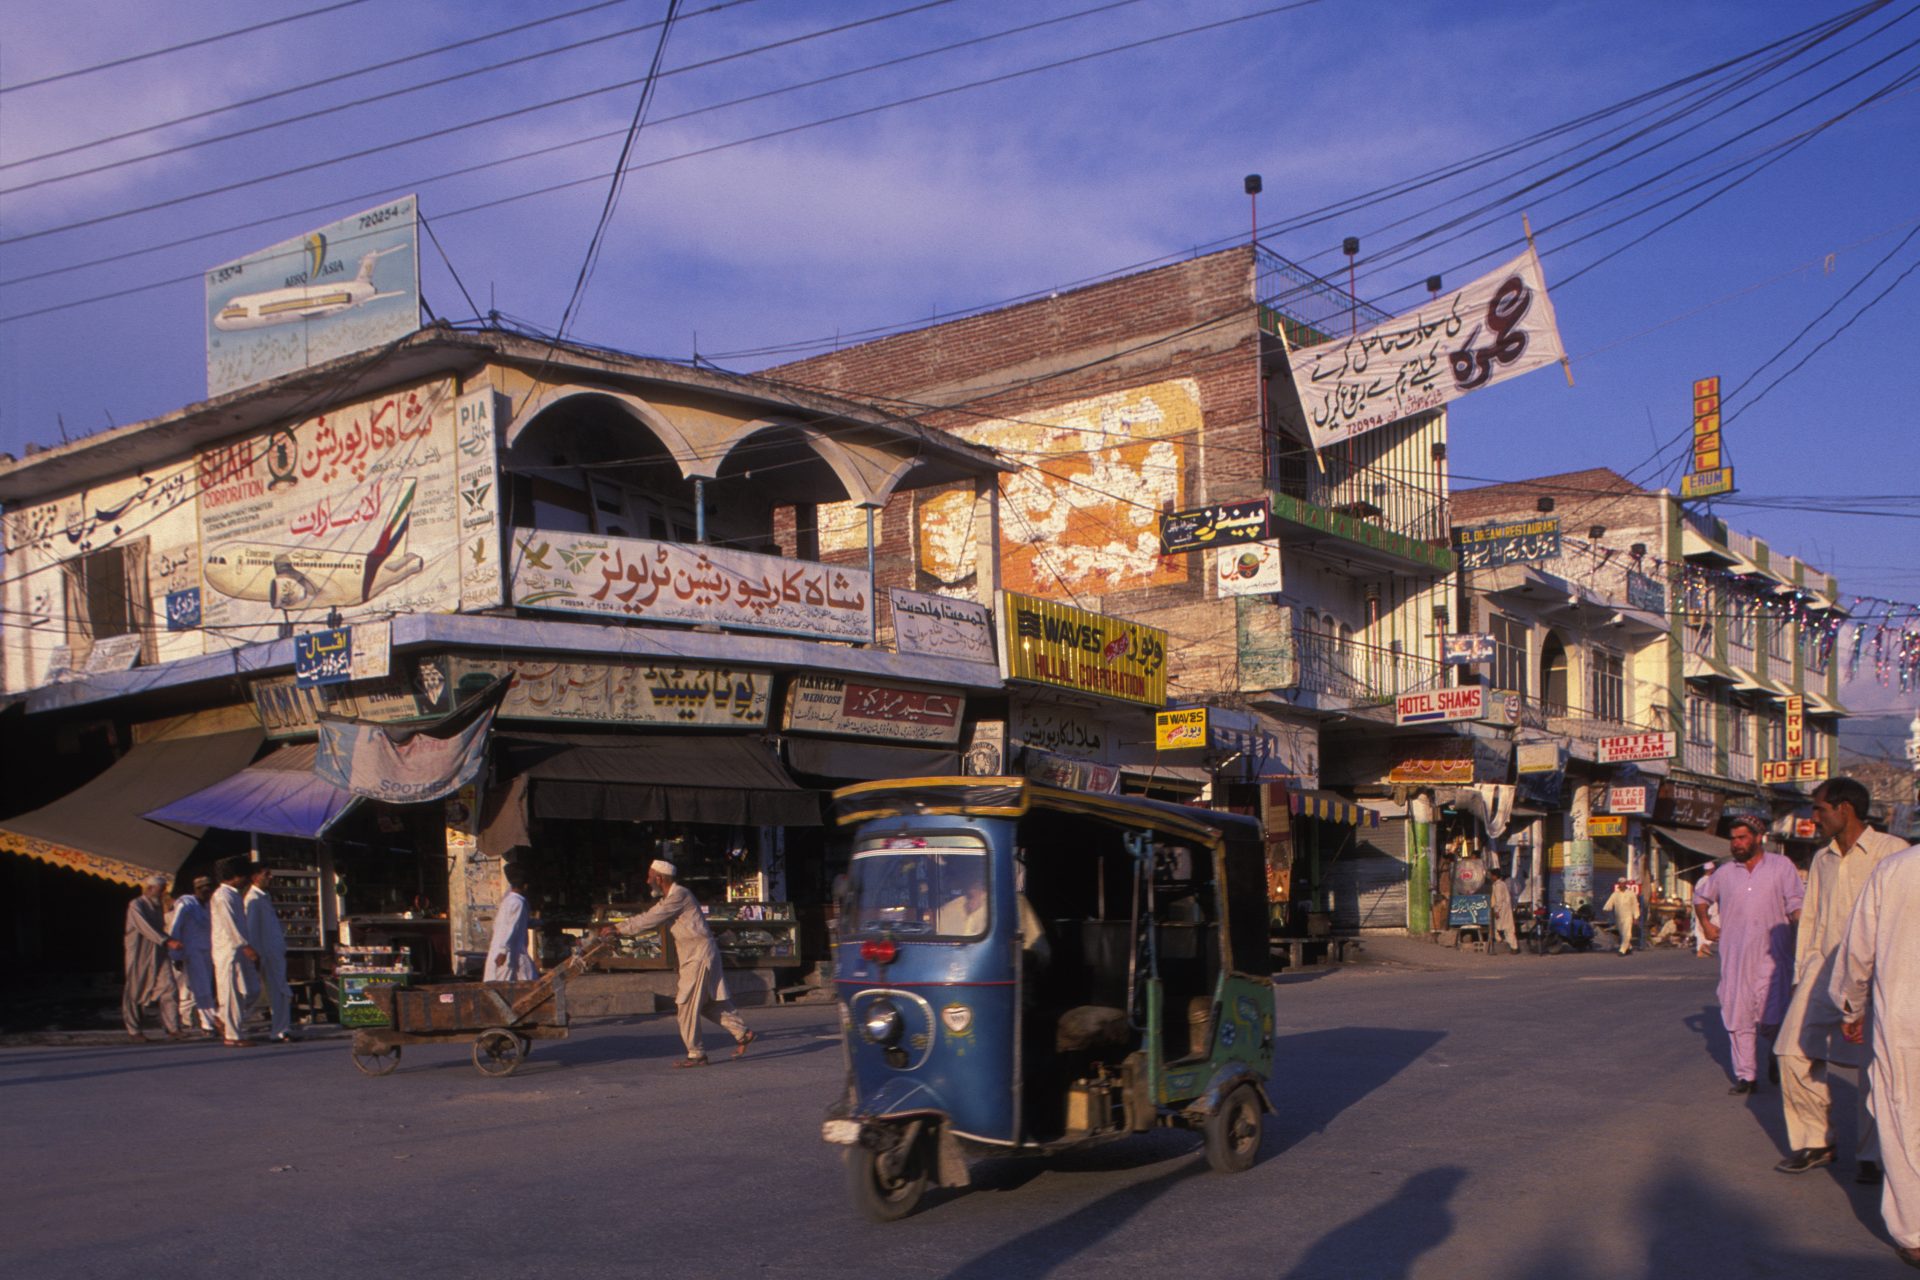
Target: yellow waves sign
(1069,648)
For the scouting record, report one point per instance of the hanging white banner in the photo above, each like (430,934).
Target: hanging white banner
(1499,326)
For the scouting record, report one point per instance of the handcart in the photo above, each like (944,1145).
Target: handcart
(503,1018)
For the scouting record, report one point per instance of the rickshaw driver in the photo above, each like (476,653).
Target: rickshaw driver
(965,914)
(702,988)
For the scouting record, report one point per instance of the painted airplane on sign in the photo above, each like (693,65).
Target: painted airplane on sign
(304,302)
(308,578)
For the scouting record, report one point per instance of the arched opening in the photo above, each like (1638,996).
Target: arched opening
(1553,675)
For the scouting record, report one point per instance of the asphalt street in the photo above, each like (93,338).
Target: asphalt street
(1561,1116)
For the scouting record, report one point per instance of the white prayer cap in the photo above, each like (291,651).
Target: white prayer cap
(664,867)
(157,879)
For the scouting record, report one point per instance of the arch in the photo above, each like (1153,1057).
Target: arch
(1555,675)
(868,473)
(682,450)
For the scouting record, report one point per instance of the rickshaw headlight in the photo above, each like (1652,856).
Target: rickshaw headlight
(882,1024)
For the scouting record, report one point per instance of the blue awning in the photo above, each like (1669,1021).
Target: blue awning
(279,796)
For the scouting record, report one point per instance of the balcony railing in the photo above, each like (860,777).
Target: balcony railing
(1362,487)
(1740,766)
(1361,672)
(1697,757)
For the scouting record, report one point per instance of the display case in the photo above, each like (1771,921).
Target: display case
(358,968)
(296,900)
(750,935)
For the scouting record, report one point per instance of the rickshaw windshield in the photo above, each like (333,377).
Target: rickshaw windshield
(930,886)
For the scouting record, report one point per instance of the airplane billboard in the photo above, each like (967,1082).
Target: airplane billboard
(354,509)
(345,287)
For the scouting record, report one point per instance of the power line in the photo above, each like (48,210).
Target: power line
(338,77)
(176,48)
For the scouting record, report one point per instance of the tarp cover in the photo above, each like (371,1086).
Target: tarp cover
(656,778)
(870,760)
(97,829)
(1699,843)
(279,796)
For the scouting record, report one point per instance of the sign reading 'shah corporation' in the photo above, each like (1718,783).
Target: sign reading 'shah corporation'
(1495,328)
(1069,648)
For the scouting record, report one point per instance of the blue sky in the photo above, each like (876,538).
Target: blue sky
(997,192)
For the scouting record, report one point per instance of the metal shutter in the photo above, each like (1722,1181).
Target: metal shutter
(1368,877)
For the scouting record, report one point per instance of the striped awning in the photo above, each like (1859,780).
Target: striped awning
(1328,807)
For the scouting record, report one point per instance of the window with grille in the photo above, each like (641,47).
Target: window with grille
(1738,737)
(1778,634)
(1699,719)
(1509,654)
(1607,686)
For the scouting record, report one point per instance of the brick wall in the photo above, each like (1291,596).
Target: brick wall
(1190,321)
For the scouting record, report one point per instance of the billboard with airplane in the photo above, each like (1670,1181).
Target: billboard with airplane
(354,509)
(346,287)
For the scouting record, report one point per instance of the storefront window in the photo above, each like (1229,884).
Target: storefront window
(918,886)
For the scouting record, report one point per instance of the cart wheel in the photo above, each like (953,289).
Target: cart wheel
(379,1063)
(1233,1132)
(882,1195)
(498,1052)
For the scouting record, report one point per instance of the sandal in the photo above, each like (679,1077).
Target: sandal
(700,1061)
(740,1045)
(238,1044)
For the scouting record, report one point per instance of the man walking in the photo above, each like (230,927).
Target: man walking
(149,972)
(507,958)
(190,940)
(1625,905)
(270,941)
(1759,895)
(1810,1037)
(1500,903)
(702,990)
(1877,970)
(236,979)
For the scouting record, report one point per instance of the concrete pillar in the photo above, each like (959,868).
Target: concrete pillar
(473,879)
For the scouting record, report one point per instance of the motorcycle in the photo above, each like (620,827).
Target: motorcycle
(1562,928)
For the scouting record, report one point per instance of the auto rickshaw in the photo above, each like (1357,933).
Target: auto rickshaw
(1021,969)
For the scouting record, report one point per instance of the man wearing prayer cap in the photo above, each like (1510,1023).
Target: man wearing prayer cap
(149,974)
(703,990)
(190,939)
(236,975)
(1759,895)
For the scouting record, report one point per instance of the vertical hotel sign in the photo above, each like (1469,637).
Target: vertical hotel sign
(1796,727)
(1708,477)
(1068,648)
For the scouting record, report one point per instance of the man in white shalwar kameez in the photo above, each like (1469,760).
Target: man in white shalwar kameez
(269,938)
(1624,903)
(1810,1038)
(702,990)
(507,958)
(236,978)
(1876,979)
(190,941)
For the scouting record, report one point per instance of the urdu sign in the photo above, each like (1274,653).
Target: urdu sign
(866,709)
(1069,648)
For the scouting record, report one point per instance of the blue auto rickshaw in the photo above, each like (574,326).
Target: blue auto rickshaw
(1021,969)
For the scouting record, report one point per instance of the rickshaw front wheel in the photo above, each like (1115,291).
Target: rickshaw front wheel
(882,1193)
(1233,1132)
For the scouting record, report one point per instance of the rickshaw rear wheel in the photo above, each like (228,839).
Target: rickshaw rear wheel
(883,1197)
(1233,1132)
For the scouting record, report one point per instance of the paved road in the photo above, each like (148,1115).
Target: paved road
(1527,1117)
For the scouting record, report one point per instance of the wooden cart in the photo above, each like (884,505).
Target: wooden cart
(502,1018)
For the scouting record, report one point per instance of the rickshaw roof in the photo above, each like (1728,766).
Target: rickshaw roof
(1015,797)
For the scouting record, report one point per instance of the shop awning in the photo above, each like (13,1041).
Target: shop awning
(279,796)
(656,778)
(98,830)
(1328,807)
(1699,843)
(870,761)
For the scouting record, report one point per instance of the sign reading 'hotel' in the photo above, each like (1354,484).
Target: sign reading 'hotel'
(1434,706)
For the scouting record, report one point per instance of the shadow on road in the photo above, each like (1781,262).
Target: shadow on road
(1039,1251)
(1322,1073)
(1713,1037)
(1692,1227)
(134,1060)
(1384,1242)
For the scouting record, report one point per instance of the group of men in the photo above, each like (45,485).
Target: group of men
(1820,992)
(207,959)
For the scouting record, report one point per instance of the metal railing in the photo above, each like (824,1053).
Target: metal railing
(1740,766)
(1697,757)
(1353,481)
(1361,672)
